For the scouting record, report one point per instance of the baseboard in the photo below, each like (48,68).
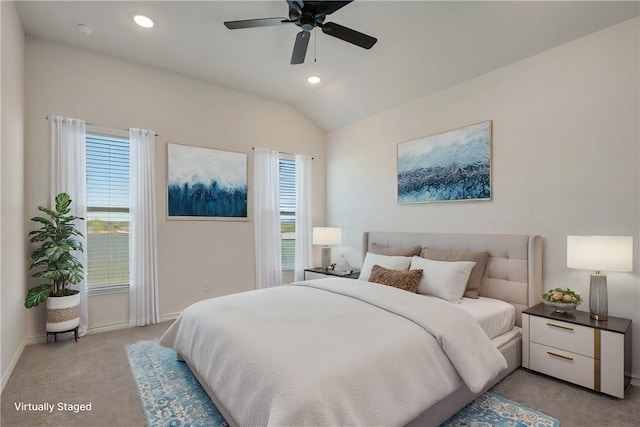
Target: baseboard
(635,380)
(12,365)
(108,328)
(125,325)
(170,316)
(38,339)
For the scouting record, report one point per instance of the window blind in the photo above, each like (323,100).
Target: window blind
(287,172)
(107,210)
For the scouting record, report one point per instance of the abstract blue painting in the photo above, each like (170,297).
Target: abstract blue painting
(454,165)
(205,183)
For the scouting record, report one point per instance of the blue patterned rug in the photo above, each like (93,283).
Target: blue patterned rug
(172,397)
(491,410)
(170,394)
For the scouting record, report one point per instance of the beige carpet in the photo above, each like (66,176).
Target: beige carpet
(95,370)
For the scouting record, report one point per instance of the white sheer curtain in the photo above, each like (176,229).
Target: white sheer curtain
(303,215)
(143,252)
(68,175)
(266,214)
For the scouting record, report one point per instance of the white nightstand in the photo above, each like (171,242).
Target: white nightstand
(573,347)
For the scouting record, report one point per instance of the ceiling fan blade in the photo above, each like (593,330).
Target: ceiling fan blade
(328,7)
(349,35)
(300,47)
(253,23)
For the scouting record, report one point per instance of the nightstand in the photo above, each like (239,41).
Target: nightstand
(575,348)
(323,273)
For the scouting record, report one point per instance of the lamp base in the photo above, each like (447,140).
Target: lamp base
(326,257)
(598,306)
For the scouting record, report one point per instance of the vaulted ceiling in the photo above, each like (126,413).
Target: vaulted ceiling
(423,46)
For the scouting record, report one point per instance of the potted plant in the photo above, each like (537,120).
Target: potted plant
(55,261)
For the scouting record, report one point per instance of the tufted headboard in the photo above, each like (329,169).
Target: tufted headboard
(514,269)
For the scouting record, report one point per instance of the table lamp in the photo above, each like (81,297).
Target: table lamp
(600,253)
(326,236)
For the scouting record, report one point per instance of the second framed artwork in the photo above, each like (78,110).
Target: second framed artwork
(206,183)
(449,166)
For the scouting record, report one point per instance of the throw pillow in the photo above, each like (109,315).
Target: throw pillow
(386,261)
(443,279)
(405,280)
(475,279)
(404,251)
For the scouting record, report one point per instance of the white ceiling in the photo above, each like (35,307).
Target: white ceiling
(423,46)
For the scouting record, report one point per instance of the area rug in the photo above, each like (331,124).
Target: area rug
(493,410)
(170,394)
(172,397)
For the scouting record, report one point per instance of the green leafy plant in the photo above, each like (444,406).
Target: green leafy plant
(54,256)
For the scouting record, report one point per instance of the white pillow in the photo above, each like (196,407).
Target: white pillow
(443,279)
(386,261)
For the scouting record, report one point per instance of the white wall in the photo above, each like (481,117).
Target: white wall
(12,237)
(197,259)
(565,159)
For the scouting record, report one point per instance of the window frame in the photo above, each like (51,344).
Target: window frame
(110,288)
(288,158)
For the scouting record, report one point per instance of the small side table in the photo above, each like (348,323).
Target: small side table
(321,272)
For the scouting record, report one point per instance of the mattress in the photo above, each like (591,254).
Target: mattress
(505,338)
(495,317)
(274,356)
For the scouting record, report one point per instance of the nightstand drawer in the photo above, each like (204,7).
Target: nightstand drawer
(563,335)
(562,364)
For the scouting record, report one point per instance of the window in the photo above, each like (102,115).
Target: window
(107,211)
(288,210)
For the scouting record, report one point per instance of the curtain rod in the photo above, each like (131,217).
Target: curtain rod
(289,154)
(92,124)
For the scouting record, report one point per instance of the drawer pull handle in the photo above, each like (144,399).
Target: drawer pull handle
(559,326)
(562,356)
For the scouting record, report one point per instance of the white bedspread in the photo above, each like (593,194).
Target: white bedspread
(332,352)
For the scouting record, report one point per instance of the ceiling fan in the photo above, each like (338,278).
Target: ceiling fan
(307,15)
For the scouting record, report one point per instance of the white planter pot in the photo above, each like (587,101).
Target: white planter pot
(63,313)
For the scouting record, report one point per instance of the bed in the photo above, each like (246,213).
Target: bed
(348,354)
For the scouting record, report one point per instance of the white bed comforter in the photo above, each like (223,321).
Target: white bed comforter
(332,352)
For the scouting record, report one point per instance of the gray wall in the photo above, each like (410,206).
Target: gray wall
(565,159)
(12,236)
(197,259)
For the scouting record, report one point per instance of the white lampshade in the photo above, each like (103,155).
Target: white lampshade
(600,253)
(326,236)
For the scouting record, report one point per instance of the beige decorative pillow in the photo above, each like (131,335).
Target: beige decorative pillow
(386,250)
(405,280)
(475,279)
(386,261)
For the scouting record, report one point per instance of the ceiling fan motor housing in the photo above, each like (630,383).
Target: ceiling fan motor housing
(308,15)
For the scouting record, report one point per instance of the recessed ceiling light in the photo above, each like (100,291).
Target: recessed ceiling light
(143,21)
(314,80)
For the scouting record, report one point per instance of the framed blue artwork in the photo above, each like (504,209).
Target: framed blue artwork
(205,183)
(453,165)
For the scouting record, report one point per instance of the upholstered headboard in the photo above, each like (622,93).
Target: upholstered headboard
(514,269)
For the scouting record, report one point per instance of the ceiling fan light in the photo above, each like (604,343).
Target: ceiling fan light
(314,80)
(143,21)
